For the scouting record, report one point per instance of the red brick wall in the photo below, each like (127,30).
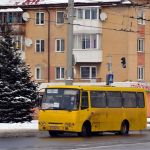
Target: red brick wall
(36,114)
(141,33)
(141,59)
(52,73)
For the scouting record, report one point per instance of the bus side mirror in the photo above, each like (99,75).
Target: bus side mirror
(40,100)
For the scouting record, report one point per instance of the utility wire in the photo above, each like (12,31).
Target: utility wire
(91,26)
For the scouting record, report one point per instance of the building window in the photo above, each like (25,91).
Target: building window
(60,45)
(60,73)
(19,17)
(88,41)
(80,14)
(140,45)
(39,73)
(141,16)
(0,17)
(94,13)
(140,73)
(39,45)
(11,17)
(5,18)
(87,14)
(88,72)
(17,42)
(60,19)
(39,18)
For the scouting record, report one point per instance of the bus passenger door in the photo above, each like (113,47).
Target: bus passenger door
(84,107)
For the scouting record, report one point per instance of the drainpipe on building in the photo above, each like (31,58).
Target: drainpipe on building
(48,45)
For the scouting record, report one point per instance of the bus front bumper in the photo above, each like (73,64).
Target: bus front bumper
(67,127)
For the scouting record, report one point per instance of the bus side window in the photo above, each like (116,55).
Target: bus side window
(98,99)
(140,100)
(84,101)
(114,99)
(129,99)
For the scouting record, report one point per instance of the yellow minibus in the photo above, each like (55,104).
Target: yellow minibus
(92,109)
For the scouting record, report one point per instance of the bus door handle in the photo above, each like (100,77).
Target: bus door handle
(87,109)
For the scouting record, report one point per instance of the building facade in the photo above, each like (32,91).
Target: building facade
(100,30)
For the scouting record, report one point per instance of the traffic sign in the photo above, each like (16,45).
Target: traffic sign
(111,76)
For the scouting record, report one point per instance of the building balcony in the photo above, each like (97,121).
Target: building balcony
(88,55)
(17,29)
(87,26)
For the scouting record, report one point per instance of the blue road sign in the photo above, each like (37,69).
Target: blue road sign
(111,76)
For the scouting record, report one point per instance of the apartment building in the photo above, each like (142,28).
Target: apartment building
(119,28)
(14,17)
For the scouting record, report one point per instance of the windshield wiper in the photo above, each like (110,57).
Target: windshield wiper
(59,108)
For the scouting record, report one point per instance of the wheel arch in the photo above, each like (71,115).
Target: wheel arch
(127,122)
(88,124)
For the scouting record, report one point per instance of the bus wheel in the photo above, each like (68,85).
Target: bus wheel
(86,131)
(53,133)
(124,128)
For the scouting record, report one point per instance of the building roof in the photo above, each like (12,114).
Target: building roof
(38,2)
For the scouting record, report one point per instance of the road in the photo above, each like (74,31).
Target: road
(37,140)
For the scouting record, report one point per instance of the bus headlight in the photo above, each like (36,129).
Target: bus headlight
(43,124)
(69,124)
(66,124)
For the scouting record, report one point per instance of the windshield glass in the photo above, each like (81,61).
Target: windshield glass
(61,99)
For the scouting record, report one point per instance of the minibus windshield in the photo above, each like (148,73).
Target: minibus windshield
(61,99)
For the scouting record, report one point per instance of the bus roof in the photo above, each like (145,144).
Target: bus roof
(105,88)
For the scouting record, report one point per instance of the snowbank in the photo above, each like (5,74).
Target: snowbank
(33,125)
(26,125)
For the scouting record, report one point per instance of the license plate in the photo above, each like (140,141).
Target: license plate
(54,128)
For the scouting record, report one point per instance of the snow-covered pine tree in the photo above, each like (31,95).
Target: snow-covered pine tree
(17,92)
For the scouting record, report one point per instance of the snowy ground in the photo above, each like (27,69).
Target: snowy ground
(14,130)
(32,125)
(14,126)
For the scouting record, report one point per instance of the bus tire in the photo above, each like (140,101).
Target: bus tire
(86,131)
(53,133)
(124,128)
